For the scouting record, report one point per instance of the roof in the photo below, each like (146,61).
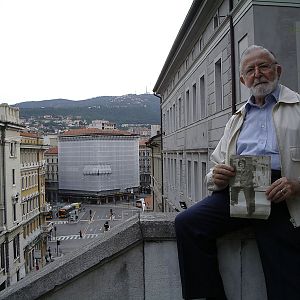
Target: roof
(52,150)
(179,38)
(96,131)
(30,134)
(143,142)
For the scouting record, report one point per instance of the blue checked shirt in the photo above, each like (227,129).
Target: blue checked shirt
(257,135)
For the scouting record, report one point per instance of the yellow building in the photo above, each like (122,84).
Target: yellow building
(33,203)
(11,242)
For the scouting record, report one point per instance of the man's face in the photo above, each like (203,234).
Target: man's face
(260,73)
(242,164)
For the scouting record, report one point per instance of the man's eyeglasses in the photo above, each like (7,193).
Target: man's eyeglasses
(262,68)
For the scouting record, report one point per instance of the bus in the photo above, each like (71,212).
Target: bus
(65,211)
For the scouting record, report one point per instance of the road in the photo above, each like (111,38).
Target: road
(90,222)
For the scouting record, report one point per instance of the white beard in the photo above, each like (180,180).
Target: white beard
(264,89)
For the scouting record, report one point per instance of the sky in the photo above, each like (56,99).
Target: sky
(80,49)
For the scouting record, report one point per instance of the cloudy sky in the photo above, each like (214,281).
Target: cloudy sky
(78,49)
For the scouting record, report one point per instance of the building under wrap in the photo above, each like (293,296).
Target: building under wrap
(94,162)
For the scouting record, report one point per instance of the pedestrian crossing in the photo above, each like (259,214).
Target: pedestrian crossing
(76,236)
(60,222)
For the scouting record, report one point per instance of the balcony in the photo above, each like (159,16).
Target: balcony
(138,260)
(47,227)
(46,208)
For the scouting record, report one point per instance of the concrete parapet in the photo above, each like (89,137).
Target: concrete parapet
(138,260)
(9,114)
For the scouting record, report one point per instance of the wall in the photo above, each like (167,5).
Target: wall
(138,260)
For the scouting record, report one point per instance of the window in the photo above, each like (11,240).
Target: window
(179,113)
(201,43)
(203,187)
(218,85)
(174,173)
(16,246)
(180,175)
(202,97)
(14,207)
(216,20)
(168,122)
(242,46)
(2,256)
(12,149)
(171,120)
(196,181)
(189,190)
(194,108)
(13,176)
(174,117)
(187,103)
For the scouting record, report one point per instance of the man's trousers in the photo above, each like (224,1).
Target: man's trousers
(197,229)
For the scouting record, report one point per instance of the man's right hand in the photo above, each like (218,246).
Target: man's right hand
(222,174)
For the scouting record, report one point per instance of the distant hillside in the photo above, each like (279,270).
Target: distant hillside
(144,108)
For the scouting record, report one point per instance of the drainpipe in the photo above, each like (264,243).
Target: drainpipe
(3,173)
(232,50)
(4,204)
(161,155)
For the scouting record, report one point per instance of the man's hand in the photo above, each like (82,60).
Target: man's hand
(282,189)
(222,174)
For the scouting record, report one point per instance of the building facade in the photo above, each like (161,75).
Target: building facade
(51,140)
(199,82)
(154,144)
(103,124)
(145,166)
(12,267)
(96,164)
(51,178)
(33,202)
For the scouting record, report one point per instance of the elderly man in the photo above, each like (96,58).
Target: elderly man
(268,124)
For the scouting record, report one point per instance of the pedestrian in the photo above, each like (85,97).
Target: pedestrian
(49,252)
(268,124)
(80,234)
(106,226)
(111,215)
(90,214)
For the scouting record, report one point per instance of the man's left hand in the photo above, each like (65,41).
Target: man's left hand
(283,189)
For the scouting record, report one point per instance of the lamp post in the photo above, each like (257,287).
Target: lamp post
(57,244)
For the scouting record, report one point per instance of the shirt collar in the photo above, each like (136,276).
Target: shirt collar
(270,97)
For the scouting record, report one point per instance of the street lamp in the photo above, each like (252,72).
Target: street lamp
(57,244)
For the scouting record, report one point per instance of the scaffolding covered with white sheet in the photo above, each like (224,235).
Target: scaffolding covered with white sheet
(98,163)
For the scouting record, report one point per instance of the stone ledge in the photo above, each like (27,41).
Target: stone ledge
(113,243)
(135,249)
(74,264)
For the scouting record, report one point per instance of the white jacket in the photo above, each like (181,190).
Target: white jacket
(286,117)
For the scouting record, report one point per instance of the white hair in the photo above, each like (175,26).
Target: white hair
(255,48)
